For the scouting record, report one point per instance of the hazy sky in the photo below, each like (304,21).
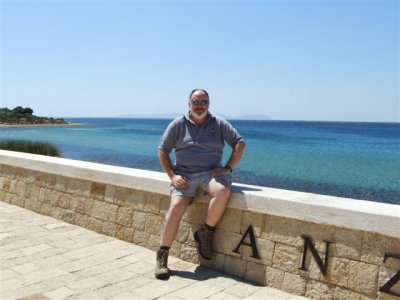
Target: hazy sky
(291,60)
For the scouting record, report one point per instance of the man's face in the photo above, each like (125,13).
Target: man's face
(199,104)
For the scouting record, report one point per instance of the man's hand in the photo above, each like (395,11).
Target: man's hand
(219,171)
(179,182)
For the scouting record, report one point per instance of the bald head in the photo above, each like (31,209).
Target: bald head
(198,92)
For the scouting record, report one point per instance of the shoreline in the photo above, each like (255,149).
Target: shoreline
(38,125)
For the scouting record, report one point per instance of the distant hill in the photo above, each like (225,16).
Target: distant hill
(174,115)
(251,117)
(25,116)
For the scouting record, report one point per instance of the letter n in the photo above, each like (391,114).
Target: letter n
(249,232)
(308,244)
(392,281)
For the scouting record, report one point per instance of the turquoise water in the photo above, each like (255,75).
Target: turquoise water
(357,160)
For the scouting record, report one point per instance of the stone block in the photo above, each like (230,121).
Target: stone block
(189,253)
(34,192)
(27,176)
(226,241)
(282,230)
(153,242)
(184,232)
(124,233)
(141,238)
(94,224)
(164,204)
(152,203)
(294,284)
(219,261)
(196,213)
(77,204)
(254,219)
(54,197)
(130,197)
(344,294)
(32,205)
(9,171)
(109,194)
(48,195)
(81,220)
(65,200)
(46,209)
(175,249)
(87,187)
(69,216)
(286,258)
(20,188)
(124,216)
(139,220)
(153,224)
(58,213)
(61,183)
(98,191)
(231,220)
(255,273)
(100,210)
(319,290)
(235,266)
(109,229)
(88,202)
(347,243)
(363,278)
(265,251)
(42,194)
(337,272)
(51,181)
(75,187)
(41,179)
(6,185)
(274,277)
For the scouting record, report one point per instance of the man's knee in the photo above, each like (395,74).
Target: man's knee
(222,192)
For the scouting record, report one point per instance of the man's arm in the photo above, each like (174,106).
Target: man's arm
(176,180)
(236,155)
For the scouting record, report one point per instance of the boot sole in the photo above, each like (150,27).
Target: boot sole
(201,254)
(163,276)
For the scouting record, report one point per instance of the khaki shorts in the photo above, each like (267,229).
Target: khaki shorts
(200,180)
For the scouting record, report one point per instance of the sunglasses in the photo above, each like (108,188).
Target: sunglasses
(200,102)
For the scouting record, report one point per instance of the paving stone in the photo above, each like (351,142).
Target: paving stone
(50,259)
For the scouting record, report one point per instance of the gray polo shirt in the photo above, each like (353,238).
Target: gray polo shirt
(198,148)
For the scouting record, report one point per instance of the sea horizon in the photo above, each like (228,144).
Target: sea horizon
(346,159)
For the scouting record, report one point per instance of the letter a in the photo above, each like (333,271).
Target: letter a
(252,244)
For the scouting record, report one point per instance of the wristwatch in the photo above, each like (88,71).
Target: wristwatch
(229,167)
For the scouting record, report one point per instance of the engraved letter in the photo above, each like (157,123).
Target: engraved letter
(392,281)
(308,244)
(252,244)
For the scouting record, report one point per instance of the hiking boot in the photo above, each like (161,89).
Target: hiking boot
(162,271)
(203,237)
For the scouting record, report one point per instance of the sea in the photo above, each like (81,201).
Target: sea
(345,159)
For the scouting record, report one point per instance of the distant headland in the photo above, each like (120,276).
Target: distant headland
(20,116)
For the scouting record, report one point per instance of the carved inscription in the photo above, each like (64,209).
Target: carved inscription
(308,244)
(253,243)
(386,288)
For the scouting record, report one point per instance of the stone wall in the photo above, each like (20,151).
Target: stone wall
(271,237)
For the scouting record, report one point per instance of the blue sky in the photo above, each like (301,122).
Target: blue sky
(290,60)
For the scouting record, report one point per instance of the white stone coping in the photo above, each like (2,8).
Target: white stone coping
(328,210)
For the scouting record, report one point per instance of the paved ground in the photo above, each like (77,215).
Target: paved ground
(44,258)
